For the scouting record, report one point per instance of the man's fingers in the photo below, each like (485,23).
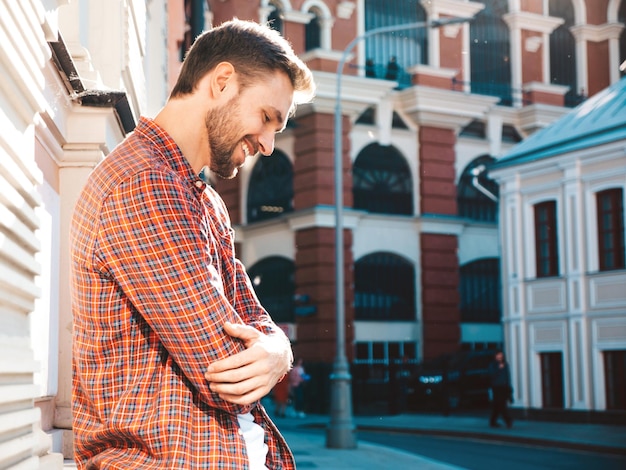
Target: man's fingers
(244,332)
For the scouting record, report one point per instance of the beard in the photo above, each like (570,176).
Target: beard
(223,133)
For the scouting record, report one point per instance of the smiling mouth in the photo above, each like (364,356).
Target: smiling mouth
(247,149)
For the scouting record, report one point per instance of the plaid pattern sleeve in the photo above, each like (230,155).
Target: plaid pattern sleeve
(154,278)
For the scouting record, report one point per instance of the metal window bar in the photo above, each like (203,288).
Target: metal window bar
(402,48)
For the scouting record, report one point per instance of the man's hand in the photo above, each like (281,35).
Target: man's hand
(248,376)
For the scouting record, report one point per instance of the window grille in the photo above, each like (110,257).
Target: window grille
(312,32)
(546,240)
(275,17)
(563,52)
(382,181)
(490,52)
(480,291)
(274,284)
(384,285)
(270,192)
(471,202)
(390,56)
(610,209)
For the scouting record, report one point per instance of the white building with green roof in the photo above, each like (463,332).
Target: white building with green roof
(563,263)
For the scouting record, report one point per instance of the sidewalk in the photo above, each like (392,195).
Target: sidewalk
(310,449)
(608,439)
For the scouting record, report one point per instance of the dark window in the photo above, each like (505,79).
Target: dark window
(275,18)
(369,117)
(481,300)
(475,128)
(546,247)
(270,192)
(621,17)
(552,379)
(490,52)
(391,55)
(273,282)
(312,32)
(610,204)
(382,181)
(194,24)
(477,193)
(510,134)
(615,379)
(563,51)
(384,286)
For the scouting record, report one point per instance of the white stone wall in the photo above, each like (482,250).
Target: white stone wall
(49,143)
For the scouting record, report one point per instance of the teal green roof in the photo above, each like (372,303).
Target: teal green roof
(600,119)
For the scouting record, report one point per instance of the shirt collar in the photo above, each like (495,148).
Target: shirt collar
(166,146)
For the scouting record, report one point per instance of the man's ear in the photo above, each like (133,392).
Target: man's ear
(222,76)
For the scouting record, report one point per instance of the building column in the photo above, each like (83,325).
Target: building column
(439,261)
(530,58)
(315,239)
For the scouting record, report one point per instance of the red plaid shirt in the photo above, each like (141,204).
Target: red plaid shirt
(154,278)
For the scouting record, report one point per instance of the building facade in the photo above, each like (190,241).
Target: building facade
(562,195)
(425,112)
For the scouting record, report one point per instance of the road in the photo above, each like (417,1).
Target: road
(473,454)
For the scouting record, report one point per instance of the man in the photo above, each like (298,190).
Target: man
(502,392)
(172,350)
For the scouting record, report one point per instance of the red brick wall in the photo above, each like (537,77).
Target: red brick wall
(314,166)
(230,190)
(437,156)
(597,66)
(315,276)
(440,296)
(532,69)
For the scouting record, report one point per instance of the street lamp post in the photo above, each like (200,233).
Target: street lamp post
(340,433)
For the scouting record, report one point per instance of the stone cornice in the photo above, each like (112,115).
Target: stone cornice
(443,108)
(322,54)
(532,22)
(357,93)
(461,8)
(537,116)
(298,17)
(546,88)
(322,216)
(597,32)
(439,72)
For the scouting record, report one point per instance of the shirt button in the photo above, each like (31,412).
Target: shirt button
(199,184)
(240,432)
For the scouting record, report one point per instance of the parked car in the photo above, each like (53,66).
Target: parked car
(452,381)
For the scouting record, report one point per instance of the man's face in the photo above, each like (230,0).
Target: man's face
(499,357)
(234,134)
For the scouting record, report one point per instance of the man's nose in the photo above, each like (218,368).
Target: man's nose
(266,143)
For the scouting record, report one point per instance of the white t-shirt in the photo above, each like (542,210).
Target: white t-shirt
(254,437)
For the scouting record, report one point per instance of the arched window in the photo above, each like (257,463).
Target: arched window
(563,51)
(475,191)
(384,286)
(313,31)
(391,55)
(273,281)
(270,192)
(275,18)
(481,299)
(382,181)
(490,52)
(621,17)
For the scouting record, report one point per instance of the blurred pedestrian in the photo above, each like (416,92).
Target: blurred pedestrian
(280,393)
(392,69)
(502,391)
(297,380)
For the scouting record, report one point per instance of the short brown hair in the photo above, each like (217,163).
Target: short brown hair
(253,49)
